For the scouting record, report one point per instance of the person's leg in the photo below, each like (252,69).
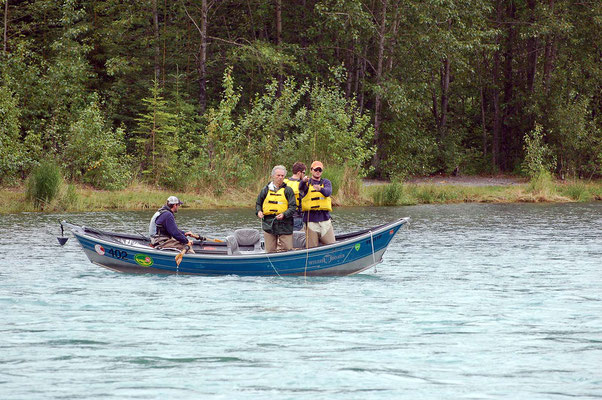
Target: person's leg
(311,237)
(271,242)
(328,238)
(285,242)
(174,244)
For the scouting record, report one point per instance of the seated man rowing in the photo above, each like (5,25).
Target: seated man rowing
(164,231)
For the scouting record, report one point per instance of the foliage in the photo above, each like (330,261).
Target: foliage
(270,126)
(223,162)
(388,195)
(155,143)
(10,149)
(538,158)
(451,84)
(577,191)
(542,183)
(409,152)
(333,129)
(44,183)
(95,154)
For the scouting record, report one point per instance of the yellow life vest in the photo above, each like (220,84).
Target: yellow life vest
(275,202)
(314,200)
(295,186)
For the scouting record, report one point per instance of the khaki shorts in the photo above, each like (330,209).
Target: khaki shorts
(319,232)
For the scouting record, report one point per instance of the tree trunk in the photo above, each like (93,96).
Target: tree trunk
(202,68)
(497,117)
(350,69)
(445,74)
(164,52)
(549,56)
(509,107)
(531,50)
(379,71)
(483,122)
(5,25)
(279,45)
(157,42)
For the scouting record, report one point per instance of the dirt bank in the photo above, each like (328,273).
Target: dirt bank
(497,180)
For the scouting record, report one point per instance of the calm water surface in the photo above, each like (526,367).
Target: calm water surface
(471,302)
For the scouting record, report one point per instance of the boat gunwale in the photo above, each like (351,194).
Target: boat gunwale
(80,230)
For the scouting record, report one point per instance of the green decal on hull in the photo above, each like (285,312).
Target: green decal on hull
(143,260)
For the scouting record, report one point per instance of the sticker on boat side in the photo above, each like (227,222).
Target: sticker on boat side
(357,247)
(143,260)
(99,249)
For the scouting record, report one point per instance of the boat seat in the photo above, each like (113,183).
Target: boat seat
(244,240)
(298,240)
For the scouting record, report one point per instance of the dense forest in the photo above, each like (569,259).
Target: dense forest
(205,93)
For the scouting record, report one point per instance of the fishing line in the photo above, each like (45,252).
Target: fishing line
(266,250)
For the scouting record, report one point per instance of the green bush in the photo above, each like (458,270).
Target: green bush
(577,191)
(95,153)
(388,195)
(542,183)
(44,183)
(538,157)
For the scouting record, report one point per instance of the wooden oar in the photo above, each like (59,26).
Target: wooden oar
(180,255)
(198,237)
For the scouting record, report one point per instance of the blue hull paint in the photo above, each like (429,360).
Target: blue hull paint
(347,256)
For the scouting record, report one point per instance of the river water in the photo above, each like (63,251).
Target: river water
(472,301)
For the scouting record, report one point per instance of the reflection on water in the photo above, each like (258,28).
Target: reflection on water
(471,301)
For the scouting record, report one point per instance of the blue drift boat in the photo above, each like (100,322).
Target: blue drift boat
(240,254)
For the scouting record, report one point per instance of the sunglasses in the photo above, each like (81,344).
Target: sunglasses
(318,169)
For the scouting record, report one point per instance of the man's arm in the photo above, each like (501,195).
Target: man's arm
(327,189)
(172,229)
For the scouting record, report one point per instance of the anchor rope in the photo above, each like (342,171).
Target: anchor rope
(373,256)
(266,251)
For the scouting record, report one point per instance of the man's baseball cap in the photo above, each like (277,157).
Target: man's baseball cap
(171,200)
(316,164)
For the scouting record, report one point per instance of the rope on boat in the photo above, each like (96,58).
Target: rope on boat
(267,254)
(306,243)
(373,256)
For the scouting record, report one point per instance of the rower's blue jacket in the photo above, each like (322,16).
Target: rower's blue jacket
(168,221)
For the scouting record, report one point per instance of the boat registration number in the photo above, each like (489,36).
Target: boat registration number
(120,254)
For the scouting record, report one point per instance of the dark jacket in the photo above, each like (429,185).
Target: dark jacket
(270,224)
(168,222)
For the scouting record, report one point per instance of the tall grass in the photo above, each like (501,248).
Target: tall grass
(142,197)
(346,184)
(388,195)
(43,184)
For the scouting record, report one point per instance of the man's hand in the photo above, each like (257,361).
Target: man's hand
(317,188)
(260,214)
(280,216)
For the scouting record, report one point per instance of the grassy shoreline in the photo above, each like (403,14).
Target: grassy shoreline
(73,198)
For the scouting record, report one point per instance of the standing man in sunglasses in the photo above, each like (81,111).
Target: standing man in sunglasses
(316,206)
